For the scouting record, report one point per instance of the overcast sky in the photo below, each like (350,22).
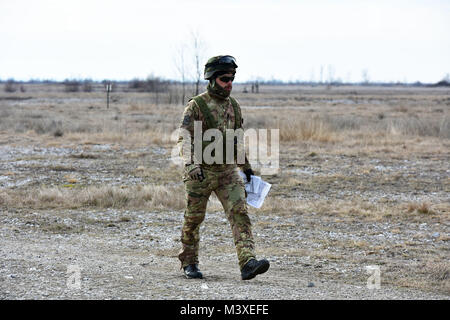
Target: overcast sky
(288,40)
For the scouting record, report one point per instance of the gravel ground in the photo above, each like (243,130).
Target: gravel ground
(132,254)
(135,258)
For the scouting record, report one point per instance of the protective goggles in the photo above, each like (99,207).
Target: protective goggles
(226,79)
(223,60)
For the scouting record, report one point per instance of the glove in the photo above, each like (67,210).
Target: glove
(196,174)
(248,174)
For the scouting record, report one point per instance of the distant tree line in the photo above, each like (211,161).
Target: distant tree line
(154,84)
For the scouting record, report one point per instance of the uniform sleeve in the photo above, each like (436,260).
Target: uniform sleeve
(245,165)
(186,138)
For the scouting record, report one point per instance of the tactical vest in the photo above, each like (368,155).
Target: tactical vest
(212,123)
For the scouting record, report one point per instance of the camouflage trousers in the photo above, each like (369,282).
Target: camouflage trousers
(228,186)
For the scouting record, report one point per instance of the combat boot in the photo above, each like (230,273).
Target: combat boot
(192,272)
(253,268)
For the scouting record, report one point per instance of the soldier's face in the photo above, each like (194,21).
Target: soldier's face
(226,85)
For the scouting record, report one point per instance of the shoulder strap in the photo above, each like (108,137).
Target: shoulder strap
(237,114)
(210,121)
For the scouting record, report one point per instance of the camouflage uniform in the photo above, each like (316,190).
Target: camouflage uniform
(222,179)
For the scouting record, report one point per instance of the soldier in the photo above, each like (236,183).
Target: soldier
(216,110)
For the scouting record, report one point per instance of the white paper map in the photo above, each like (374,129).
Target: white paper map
(257,190)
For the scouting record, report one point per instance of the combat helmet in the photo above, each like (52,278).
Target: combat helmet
(219,63)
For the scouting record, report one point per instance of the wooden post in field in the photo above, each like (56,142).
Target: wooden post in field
(108,90)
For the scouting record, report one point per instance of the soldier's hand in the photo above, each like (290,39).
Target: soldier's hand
(248,174)
(196,174)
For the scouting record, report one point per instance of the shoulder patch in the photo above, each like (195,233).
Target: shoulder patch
(186,120)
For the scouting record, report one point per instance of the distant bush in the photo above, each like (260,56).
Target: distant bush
(88,85)
(151,84)
(445,82)
(137,84)
(10,85)
(442,83)
(71,85)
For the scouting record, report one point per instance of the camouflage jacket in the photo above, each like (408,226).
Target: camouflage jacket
(223,113)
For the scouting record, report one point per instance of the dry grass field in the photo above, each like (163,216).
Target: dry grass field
(364,179)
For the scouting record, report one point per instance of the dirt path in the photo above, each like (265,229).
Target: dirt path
(132,255)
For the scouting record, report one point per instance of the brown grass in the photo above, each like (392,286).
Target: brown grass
(422,208)
(309,129)
(71,196)
(319,116)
